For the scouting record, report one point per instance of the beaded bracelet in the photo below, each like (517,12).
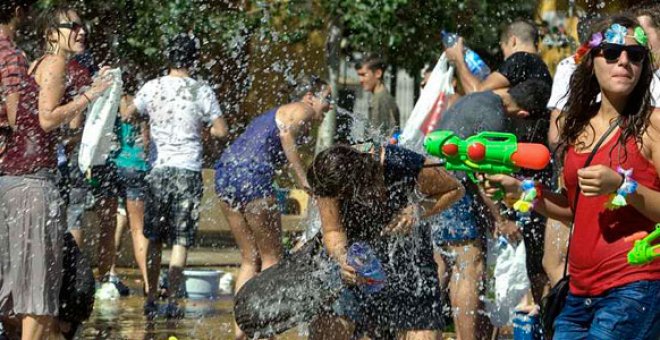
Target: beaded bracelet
(629,186)
(531,192)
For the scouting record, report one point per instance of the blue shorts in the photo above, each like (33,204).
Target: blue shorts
(458,223)
(628,312)
(240,185)
(132,182)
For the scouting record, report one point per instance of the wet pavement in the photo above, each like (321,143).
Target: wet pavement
(123,318)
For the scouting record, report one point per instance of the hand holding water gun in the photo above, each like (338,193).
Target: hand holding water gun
(644,252)
(486,152)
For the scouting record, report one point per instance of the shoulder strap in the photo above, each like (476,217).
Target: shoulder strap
(577,191)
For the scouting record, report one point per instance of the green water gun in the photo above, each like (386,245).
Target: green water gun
(486,152)
(644,251)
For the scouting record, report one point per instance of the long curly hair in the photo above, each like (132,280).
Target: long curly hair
(583,104)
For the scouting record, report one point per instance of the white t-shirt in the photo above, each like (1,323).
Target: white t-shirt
(560,84)
(178,108)
(655,89)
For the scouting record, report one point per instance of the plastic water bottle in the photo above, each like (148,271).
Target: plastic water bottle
(361,257)
(526,327)
(474,62)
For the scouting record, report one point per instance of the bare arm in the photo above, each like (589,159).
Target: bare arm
(11,103)
(441,188)
(334,235)
(553,130)
(219,128)
(551,205)
(52,114)
(646,200)
(293,121)
(469,81)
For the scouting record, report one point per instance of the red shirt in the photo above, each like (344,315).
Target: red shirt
(598,254)
(13,70)
(30,148)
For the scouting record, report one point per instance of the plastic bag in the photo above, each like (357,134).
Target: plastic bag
(98,134)
(430,106)
(506,263)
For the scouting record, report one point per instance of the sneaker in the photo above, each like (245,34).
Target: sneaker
(121,287)
(150,309)
(174,311)
(107,291)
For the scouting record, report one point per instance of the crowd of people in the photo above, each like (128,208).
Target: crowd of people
(427,226)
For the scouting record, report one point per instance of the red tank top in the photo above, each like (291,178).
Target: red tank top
(598,254)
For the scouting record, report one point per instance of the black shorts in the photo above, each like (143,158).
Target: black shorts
(171,213)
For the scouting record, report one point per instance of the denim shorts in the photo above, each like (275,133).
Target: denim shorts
(458,223)
(132,182)
(628,312)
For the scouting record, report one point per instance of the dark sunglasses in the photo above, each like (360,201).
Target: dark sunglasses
(612,52)
(73,26)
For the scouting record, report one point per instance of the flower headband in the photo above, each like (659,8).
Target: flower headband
(615,34)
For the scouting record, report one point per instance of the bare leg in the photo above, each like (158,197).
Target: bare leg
(177,265)
(465,287)
(325,327)
(122,221)
(135,210)
(444,273)
(77,236)
(106,211)
(154,252)
(250,261)
(39,327)
(264,220)
(556,244)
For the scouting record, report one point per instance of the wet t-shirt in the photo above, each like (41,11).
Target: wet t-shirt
(178,108)
(522,66)
(364,222)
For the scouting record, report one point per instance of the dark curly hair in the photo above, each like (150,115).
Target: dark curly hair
(582,104)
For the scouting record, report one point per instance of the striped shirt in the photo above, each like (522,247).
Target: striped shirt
(13,71)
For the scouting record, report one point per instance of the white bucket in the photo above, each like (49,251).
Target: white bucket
(202,283)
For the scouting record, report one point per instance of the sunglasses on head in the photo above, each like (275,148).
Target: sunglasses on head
(612,52)
(73,26)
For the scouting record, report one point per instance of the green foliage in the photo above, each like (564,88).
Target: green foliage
(407,32)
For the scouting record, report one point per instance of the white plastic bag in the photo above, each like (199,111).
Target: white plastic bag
(509,270)
(96,143)
(429,107)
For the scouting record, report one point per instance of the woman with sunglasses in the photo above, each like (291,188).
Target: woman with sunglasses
(30,205)
(245,174)
(615,196)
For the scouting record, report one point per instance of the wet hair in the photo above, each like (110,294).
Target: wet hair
(343,172)
(48,21)
(582,103)
(532,96)
(372,62)
(304,85)
(182,51)
(8,9)
(521,29)
(128,79)
(649,10)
